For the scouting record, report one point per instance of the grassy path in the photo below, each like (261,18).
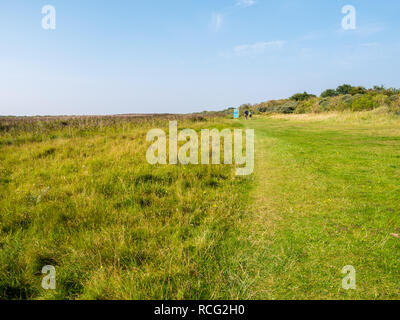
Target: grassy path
(326,196)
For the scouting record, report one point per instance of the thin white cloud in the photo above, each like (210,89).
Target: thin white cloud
(258,47)
(363,30)
(245,3)
(370,29)
(218,18)
(370,44)
(314,35)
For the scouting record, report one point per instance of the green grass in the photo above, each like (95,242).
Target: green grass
(82,197)
(87,202)
(327,196)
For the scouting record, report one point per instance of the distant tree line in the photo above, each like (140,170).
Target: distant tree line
(348,89)
(344,97)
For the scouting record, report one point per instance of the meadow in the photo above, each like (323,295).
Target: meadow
(326,196)
(78,194)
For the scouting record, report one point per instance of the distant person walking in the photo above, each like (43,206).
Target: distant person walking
(250,114)
(246,114)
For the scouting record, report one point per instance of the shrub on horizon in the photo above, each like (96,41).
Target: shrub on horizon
(344,89)
(286,108)
(358,90)
(329,93)
(363,103)
(394,104)
(302,96)
(312,105)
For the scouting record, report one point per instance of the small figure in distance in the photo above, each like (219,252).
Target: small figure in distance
(250,114)
(246,114)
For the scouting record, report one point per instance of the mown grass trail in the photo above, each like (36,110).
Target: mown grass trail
(327,196)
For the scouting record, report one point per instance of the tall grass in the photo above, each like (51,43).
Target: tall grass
(78,194)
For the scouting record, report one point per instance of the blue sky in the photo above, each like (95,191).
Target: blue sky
(181,56)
